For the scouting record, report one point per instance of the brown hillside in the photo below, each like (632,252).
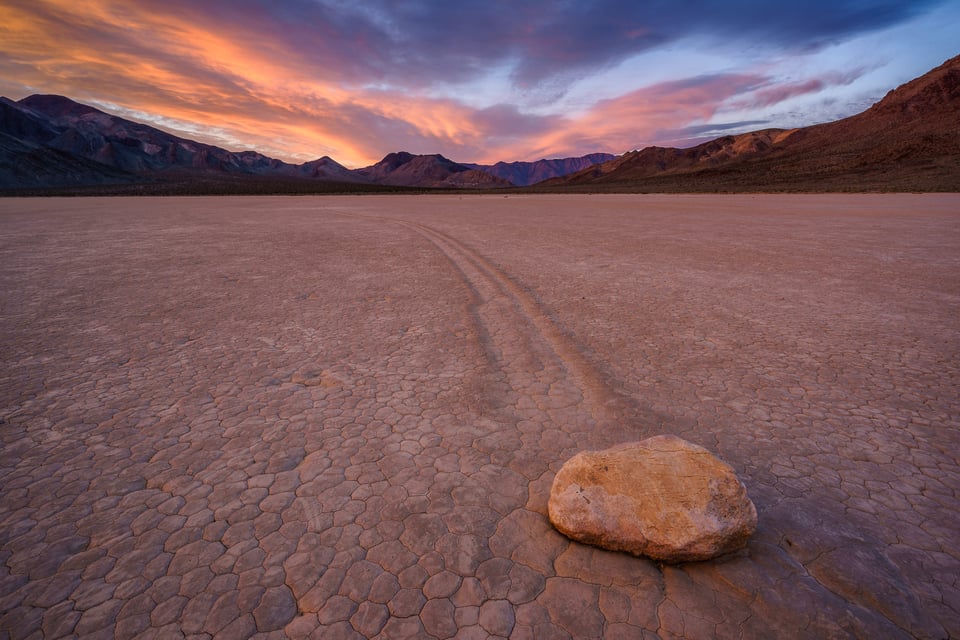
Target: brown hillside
(910,140)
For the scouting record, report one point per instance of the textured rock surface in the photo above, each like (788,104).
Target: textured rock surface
(664,497)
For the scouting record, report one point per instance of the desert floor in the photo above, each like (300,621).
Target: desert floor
(340,416)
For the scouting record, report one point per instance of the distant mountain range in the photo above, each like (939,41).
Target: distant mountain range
(910,140)
(51,141)
(523,174)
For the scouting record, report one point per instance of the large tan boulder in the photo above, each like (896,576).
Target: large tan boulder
(664,498)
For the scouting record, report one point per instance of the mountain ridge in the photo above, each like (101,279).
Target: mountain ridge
(54,141)
(908,140)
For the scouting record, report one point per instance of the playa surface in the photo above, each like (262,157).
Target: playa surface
(340,417)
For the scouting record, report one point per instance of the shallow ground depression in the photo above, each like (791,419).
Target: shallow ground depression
(340,416)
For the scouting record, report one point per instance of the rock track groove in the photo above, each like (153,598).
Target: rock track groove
(505,307)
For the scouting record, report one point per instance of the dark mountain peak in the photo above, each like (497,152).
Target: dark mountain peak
(325,162)
(433,170)
(395,159)
(22,123)
(56,106)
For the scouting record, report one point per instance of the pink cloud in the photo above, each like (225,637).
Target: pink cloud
(782,92)
(773,95)
(636,119)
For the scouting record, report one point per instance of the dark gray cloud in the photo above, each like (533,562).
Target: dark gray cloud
(421,42)
(507,120)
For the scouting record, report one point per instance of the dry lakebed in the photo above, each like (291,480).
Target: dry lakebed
(340,417)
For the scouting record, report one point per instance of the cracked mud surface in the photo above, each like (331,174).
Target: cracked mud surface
(339,417)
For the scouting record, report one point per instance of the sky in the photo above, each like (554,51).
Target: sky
(475,81)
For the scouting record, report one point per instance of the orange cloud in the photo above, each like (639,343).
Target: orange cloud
(186,78)
(227,87)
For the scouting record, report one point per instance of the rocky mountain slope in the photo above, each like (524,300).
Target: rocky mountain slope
(910,140)
(23,164)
